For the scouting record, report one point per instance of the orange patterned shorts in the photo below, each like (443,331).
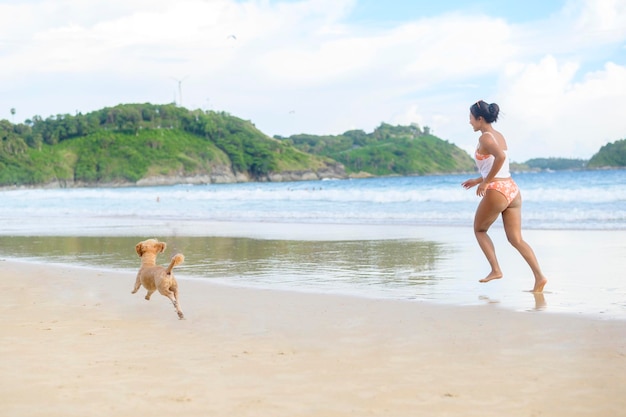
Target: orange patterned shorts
(507,187)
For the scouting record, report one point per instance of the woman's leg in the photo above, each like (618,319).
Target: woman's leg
(490,207)
(512,220)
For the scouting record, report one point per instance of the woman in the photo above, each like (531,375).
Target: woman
(499,193)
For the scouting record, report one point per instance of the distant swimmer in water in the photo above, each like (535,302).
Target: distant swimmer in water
(500,194)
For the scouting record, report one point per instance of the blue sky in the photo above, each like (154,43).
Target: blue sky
(556,68)
(390,12)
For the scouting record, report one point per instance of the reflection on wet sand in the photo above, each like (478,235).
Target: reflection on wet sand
(539,301)
(327,265)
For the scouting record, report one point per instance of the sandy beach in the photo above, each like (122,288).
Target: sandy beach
(75,342)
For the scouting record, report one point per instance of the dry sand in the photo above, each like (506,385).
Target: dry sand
(75,342)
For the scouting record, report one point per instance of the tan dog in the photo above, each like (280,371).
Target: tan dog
(155,277)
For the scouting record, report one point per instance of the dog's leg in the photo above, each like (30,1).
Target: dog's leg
(149,294)
(177,305)
(173,296)
(137,284)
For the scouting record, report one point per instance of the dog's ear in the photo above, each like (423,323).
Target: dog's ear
(139,249)
(163,246)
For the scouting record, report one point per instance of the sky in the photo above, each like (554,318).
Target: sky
(556,68)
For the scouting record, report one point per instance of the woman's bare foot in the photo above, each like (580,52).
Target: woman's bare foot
(492,275)
(539,284)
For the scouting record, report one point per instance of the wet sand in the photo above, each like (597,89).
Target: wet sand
(436,264)
(75,342)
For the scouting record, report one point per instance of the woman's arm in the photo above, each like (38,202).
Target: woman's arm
(472,182)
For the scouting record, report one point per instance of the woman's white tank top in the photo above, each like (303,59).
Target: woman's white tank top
(485,163)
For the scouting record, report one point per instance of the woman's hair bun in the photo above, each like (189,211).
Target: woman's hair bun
(494,110)
(492,113)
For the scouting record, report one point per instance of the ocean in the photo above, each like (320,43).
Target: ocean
(552,200)
(407,238)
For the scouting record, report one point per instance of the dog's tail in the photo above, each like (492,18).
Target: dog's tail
(176,260)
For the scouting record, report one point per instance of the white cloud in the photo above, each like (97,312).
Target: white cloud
(305,67)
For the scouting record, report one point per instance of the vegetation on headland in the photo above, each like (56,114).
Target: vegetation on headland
(144,143)
(611,155)
(128,143)
(133,143)
(556,164)
(388,150)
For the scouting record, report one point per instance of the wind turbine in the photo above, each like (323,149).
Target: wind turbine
(180,89)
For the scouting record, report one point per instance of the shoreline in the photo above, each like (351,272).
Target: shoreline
(76,342)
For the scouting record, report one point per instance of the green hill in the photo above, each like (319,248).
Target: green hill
(142,144)
(132,142)
(389,150)
(611,155)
